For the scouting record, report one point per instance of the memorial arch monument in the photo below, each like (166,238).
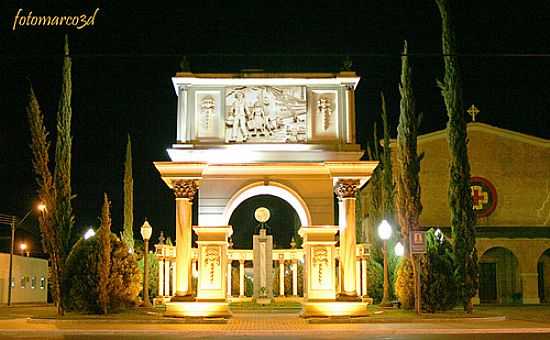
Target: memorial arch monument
(291,136)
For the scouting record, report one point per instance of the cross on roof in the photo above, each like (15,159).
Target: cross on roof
(473,111)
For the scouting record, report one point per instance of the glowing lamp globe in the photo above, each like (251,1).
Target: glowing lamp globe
(399,249)
(89,233)
(384,230)
(146,231)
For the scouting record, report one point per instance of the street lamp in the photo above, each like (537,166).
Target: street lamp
(146,231)
(89,233)
(399,249)
(384,232)
(23,247)
(10,220)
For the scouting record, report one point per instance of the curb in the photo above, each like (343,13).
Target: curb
(166,320)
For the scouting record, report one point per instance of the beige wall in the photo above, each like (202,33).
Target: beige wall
(26,271)
(518,168)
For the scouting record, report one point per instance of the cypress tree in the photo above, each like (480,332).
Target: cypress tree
(460,200)
(57,221)
(409,206)
(128,232)
(104,263)
(387,175)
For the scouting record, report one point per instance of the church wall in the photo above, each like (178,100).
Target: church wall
(519,171)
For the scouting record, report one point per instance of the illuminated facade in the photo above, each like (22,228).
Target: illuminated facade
(287,135)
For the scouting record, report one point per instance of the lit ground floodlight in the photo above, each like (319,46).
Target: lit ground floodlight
(89,233)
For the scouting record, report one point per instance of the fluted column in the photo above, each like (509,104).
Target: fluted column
(229,278)
(241,278)
(358,276)
(364,276)
(345,190)
(166,269)
(295,277)
(161,277)
(184,190)
(281,275)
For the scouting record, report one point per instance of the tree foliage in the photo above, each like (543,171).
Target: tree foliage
(438,283)
(54,190)
(81,280)
(128,232)
(404,283)
(104,262)
(460,200)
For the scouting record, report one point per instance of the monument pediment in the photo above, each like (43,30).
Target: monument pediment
(287,116)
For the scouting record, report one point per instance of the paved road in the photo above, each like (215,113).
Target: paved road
(272,326)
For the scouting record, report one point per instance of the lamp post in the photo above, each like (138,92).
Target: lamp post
(399,249)
(146,231)
(384,232)
(10,220)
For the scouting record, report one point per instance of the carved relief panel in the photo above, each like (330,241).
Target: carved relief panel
(211,270)
(265,114)
(323,108)
(322,270)
(208,106)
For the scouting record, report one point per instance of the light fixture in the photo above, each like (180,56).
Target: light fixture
(89,233)
(384,230)
(41,207)
(399,249)
(146,231)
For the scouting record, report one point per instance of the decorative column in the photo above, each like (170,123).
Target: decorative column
(182,119)
(166,277)
(228,277)
(184,190)
(529,286)
(350,119)
(294,277)
(173,290)
(281,275)
(364,276)
(212,281)
(358,276)
(161,277)
(345,190)
(319,251)
(241,278)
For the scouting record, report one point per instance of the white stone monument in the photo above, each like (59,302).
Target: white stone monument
(262,261)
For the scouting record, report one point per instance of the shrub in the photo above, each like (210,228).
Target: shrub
(81,276)
(404,283)
(375,280)
(439,289)
(153,265)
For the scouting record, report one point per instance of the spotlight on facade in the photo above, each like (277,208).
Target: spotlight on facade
(399,249)
(89,233)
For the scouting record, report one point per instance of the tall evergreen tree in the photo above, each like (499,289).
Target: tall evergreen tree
(409,206)
(460,201)
(104,263)
(128,233)
(389,186)
(57,221)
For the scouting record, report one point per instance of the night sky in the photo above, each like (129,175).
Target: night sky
(123,64)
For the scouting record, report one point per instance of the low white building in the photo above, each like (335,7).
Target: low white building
(29,279)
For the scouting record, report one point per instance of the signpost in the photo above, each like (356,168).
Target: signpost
(418,247)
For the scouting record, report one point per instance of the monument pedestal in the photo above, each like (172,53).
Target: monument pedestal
(319,274)
(263,267)
(211,300)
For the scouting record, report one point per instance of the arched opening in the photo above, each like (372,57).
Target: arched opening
(499,281)
(283,223)
(543,269)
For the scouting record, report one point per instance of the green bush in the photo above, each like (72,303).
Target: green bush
(153,265)
(81,277)
(439,289)
(375,280)
(404,283)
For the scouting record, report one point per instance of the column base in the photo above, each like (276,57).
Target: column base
(315,309)
(531,301)
(348,297)
(182,298)
(198,309)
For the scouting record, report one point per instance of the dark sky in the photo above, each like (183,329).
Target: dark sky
(123,64)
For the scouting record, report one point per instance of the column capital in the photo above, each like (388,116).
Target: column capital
(346,188)
(185,188)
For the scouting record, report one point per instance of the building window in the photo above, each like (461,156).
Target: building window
(23,282)
(42,282)
(33,282)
